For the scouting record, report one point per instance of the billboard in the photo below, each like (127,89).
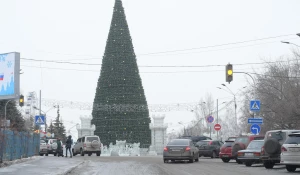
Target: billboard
(9,75)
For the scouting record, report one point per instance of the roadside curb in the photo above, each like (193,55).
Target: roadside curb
(18,161)
(72,168)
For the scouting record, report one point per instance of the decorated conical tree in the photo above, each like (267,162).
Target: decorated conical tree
(120,108)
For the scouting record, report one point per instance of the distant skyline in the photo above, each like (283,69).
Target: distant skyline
(203,34)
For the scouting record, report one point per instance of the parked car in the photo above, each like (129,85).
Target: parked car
(209,148)
(52,147)
(181,149)
(271,150)
(225,151)
(252,154)
(241,143)
(195,139)
(290,152)
(43,148)
(87,145)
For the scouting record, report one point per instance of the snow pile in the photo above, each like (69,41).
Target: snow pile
(8,163)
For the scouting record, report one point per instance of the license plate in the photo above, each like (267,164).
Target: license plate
(248,154)
(225,156)
(294,149)
(175,149)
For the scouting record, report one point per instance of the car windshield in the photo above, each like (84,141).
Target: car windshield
(179,142)
(295,139)
(42,141)
(90,139)
(254,145)
(242,140)
(228,143)
(277,135)
(203,143)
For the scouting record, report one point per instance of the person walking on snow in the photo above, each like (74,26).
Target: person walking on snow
(69,143)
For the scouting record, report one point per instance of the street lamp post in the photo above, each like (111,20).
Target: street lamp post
(235,105)
(184,132)
(285,42)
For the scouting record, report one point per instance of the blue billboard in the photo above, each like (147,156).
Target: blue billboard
(9,75)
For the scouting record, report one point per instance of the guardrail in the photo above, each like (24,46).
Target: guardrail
(16,145)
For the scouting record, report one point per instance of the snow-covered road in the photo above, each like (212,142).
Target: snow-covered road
(94,165)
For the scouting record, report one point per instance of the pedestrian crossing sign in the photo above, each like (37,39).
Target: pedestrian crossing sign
(39,120)
(254,105)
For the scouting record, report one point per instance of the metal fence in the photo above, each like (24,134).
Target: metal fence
(16,145)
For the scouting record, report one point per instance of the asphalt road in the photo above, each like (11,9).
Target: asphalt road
(93,165)
(154,165)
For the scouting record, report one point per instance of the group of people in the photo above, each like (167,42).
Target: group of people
(69,144)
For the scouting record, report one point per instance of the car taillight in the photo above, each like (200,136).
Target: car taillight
(256,154)
(240,154)
(262,150)
(165,149)
(187,148)
(283,149)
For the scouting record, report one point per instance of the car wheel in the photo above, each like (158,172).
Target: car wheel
(191,160)
(165,161)
(248,163)
(98,153)
(41,154)
(46,154)
(213,155)
(90,154)
(290,168)
(81,152)
(225,160)
(54,154)
(197,158)
(238,161)
(269,165)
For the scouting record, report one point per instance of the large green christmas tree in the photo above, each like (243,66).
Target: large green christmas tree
(120,108)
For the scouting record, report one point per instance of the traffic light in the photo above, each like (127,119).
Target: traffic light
(21,101)
(229,73)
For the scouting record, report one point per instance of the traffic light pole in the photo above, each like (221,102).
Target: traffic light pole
(5,114)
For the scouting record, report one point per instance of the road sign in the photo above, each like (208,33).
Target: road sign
(254,105)
(255,121)
(255,129)
(210,119)
(217,127)
(39,120)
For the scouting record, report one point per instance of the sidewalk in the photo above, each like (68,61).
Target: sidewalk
(45,165)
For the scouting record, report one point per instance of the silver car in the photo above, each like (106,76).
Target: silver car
(181,149)
(252,154)
(290,152)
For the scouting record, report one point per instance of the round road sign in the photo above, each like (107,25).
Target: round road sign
(210,119)
(217,127)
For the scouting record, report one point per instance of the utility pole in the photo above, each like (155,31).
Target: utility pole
(41,108)
(217,119)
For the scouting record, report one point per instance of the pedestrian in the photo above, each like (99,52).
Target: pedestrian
(59,147)
(69,145)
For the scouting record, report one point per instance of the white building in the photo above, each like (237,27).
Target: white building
(85,128)
(158,134)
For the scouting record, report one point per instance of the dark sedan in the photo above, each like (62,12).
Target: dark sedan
(252,154)
(181,149)
(209,148)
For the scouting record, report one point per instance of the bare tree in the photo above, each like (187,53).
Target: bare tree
(278,89)
(201,111)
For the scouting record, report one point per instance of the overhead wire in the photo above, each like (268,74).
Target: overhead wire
(182,50)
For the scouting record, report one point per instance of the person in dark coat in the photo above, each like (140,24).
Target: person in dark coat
(59,147)
(68,146)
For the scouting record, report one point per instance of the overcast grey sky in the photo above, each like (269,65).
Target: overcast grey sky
(77,30)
